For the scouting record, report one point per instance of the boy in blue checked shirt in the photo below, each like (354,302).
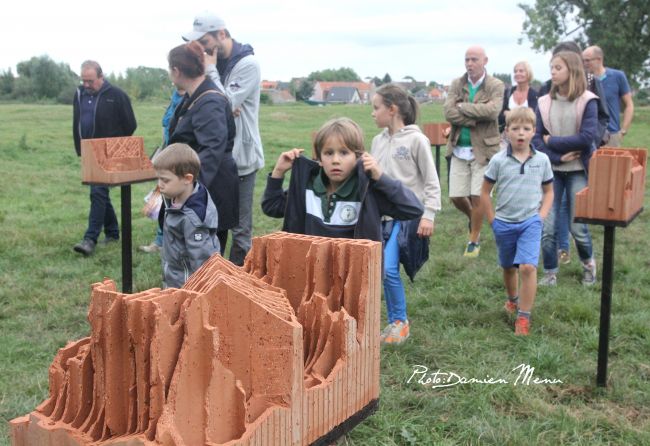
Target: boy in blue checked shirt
(524,180)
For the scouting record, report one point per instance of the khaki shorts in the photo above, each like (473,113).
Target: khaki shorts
(465,177)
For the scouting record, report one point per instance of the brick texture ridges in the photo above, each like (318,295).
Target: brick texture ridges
(115,161)
(278,352)
(616,185)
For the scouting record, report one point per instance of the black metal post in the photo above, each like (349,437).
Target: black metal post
(127,261)
(438,160)
(605,305)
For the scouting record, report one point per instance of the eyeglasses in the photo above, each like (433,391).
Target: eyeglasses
(87,81)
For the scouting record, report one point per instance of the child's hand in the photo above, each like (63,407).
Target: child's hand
(285,161)
(425,228)
(370,165)
(570,156)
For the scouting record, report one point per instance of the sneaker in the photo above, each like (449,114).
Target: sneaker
(150,248)
(85,247)
(510,307)
(472,250)
(108,240)
(385,332)
(399,332)
(589,273)
(549,279)
(522,326)
(563,257)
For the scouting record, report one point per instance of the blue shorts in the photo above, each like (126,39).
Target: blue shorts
(518,243)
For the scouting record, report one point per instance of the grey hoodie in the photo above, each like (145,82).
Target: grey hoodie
(188,239)
(406,157)
(242,87)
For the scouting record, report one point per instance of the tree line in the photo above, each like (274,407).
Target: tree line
(42,79)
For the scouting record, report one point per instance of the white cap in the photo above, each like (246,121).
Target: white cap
(205,23)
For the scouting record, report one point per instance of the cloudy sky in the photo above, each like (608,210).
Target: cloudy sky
(425,39)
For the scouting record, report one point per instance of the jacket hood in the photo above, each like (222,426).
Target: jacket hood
(405,132)
(198,203)
(239,51)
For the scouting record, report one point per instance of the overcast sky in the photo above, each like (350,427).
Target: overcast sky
(421,38)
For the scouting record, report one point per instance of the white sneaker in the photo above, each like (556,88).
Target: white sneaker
(150,248)
(549,279)
(589,273)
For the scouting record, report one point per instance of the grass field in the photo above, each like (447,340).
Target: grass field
(454,305)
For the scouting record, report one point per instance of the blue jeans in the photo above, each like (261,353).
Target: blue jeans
(393,287)
(243,232)
(571,182)
(102,215)
(158,241)
(562,225)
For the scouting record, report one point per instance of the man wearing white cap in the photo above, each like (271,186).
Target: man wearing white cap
(234,68)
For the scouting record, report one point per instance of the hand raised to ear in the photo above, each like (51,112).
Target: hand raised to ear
(285,162)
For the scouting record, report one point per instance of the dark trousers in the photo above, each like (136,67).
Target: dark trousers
(102,215)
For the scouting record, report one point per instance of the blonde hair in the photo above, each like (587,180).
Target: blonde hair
(521,114)
(346,129)
(577,78)
(527,67)
(178,158)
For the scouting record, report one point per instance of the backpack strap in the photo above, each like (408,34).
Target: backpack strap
(206,92)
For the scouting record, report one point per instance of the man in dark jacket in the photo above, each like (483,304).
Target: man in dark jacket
(100,110)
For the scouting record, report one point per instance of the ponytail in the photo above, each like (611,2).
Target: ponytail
(406,104)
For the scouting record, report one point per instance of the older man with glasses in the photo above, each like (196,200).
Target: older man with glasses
(100,110)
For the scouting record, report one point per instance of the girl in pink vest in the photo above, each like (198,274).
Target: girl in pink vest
(567,125)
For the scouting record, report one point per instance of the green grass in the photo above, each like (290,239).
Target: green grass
(454,305)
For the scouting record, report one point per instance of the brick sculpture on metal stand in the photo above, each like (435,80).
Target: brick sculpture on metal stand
(120,162)
(115,161)
(613,198)
(284,351)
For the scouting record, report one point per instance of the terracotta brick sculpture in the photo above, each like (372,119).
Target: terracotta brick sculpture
(437,132)
(284,351)
(616,185)
(115,161)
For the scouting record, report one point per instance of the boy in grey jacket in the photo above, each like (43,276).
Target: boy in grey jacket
(190,216)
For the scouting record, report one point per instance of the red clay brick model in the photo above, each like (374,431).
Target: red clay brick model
(616,185)
(115,161)
(284,351)
(437,132)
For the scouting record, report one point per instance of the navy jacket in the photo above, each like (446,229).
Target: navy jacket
(559,145)
(383,197)
(531,99)
(113,115)
(205,123)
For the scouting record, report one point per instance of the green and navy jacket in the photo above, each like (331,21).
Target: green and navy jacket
(354,210)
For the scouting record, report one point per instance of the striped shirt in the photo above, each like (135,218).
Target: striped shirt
(519,185)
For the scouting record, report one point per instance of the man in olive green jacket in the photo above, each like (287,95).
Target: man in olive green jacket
(472,108)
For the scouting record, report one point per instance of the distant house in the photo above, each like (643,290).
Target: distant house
(343,95)
(322,90)
(411,86)
(437,95)
(277,91)
(422,96)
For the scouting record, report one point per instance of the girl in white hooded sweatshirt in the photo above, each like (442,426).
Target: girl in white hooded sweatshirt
(404,153)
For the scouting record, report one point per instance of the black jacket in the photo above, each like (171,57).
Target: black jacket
(113,115)
(596,87)
(383,197)
(204,121)
(531,99)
